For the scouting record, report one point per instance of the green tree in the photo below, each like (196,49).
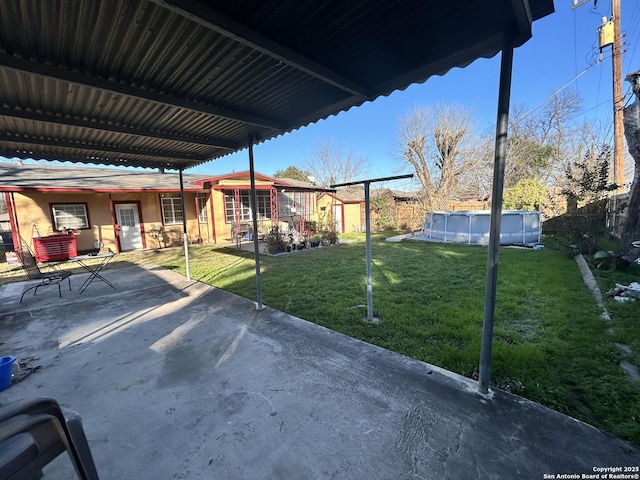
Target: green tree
(588,178)
(294,173)
(527,194)
(587,187)
(384,218)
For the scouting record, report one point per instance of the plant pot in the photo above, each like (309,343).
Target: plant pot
(315,244)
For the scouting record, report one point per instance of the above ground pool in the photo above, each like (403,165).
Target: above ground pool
(518,227)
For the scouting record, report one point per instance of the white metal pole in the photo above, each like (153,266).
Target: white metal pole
(184,228)
(254,217)
(367,222)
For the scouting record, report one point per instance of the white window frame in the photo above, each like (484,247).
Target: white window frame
(70,215)
(203,213)
(263,198)
(293,203)
(171,204)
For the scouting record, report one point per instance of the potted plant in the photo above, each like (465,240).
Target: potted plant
(315,240)
(609,260)
(329,237)
(275,242)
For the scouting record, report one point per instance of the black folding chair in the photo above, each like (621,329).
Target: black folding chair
(32,270)
(34,432)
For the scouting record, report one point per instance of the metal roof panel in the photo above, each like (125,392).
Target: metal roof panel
(122,75)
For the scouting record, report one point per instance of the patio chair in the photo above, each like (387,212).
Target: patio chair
(33,273)
(34,432)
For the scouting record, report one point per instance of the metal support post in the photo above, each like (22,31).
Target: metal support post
(367,217)
(184,228)
(367,223)
(254,217)
(496,213)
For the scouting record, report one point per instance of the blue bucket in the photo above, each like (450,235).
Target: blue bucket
(6,366)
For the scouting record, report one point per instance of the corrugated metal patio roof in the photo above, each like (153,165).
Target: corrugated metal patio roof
(176,83)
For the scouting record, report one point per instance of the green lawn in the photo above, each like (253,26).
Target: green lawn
(550,344)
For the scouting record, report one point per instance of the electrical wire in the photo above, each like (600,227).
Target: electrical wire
(556,92)
(634,32)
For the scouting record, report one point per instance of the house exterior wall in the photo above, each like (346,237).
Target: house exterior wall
(324,211)
(352,213)
(34,208)
(221,229)
(353,217)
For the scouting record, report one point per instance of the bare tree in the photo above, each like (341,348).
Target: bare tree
(331,164)
(631,227)
(544,141)
(436,142)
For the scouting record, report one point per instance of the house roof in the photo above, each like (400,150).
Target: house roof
(280,183)
(14,177)
(244,175)
(301,186)
(175,83)
(349,195)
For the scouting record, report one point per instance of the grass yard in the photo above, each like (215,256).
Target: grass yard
(550,344)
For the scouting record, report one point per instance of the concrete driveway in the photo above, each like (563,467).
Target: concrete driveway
(175,379)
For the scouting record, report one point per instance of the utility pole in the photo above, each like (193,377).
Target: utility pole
(618,119)
(610,33)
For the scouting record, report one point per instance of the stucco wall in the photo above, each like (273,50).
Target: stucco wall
(35,208)
(34,216)
(221,228)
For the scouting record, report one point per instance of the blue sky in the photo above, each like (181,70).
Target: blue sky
(563,45)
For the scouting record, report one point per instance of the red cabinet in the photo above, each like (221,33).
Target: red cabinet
(55,247)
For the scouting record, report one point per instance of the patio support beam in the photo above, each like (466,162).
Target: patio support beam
(496,212)
(254,218)
(92,124)
(8,138)
(120,88)
(184,228)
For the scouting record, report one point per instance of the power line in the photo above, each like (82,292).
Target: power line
(556,92)
(634,31)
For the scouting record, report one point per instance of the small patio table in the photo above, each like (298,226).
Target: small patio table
(94,270)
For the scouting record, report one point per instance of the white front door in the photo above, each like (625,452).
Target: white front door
(129,223)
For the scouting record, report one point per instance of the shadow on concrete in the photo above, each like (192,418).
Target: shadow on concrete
(176,379)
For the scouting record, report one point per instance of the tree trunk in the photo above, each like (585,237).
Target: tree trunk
(631,227)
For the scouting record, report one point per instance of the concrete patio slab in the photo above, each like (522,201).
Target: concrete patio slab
(175,379)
